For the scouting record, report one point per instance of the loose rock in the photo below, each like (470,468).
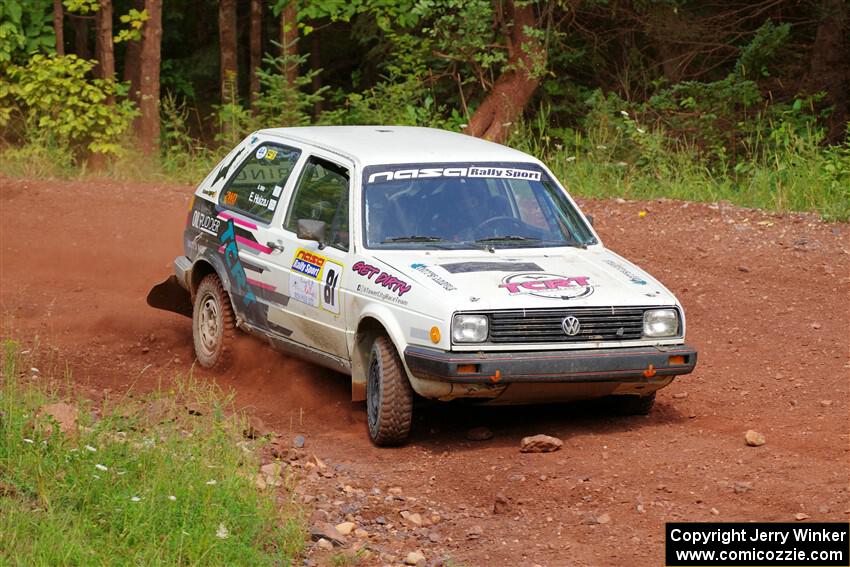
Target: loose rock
(298,442)
(272,469)
(754,438)
(324,544)
(64,414)
(256,428)
(416,558)
(501,505)
(345,528)
(595,520)
(540,444)
(479,434)
(328,532)
(740,487)
(799,516)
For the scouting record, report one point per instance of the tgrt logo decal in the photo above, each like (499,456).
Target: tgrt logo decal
(551,286)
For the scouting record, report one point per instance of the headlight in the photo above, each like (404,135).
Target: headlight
(660,323)
(469,328)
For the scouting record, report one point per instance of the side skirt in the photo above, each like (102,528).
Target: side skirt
(298,350)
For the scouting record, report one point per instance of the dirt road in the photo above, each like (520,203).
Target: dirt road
(768,305)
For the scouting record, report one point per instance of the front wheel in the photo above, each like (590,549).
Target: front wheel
(389,397)
(212,324)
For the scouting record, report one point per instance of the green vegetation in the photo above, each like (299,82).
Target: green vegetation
(54,104)
(743,101)
(788,169)
(146,483)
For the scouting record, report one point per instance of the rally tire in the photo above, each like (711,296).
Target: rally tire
(389,397)
(213,328)
(634,405)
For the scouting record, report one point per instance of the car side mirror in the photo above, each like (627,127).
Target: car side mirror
(589,219)
(309,229)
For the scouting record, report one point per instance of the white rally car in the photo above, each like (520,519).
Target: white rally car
(420,261)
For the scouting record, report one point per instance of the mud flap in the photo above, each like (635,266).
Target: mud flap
(171,296)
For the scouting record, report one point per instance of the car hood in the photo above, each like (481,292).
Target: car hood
(528,278)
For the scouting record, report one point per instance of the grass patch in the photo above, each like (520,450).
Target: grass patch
(146,483)
(797,175)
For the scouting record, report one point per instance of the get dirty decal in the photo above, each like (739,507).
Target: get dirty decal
(314,280)
(385,279)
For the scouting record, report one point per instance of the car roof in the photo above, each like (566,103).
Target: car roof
(372,145)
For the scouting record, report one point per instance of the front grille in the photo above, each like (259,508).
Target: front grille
(544,325)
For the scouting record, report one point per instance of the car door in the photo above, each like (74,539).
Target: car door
(248,203)
(311,271)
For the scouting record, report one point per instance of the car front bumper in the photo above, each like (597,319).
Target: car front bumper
(633,364)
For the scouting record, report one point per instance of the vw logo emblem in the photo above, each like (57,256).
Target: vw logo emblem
(570,325)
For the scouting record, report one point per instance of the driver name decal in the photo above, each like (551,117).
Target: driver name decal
(550,286)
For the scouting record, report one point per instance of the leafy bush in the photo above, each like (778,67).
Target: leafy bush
(25,28)
(54,97)
(404,102)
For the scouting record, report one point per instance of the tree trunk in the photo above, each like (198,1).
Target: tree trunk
(256,47)
(315,67)
(228,47)
(132,60)
(514,88)
(81,36)
(58,27)
(289,40)
(831,64)
(663,27)
(149,78)
(104,47)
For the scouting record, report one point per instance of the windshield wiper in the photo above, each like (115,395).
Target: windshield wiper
(413,238)
(516,238)
(508,237)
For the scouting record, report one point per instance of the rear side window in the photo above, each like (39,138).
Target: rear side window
(256,188)
(322,194)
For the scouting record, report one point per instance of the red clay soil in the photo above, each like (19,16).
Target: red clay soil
(768,305)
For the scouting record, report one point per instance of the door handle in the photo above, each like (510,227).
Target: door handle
(275,245)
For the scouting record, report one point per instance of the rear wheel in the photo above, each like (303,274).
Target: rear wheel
(634,405)
(389,397)
(212,324)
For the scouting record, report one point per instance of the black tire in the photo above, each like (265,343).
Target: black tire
(634,405)
(213,325)
(389,397)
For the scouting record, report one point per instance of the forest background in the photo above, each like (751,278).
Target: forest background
(738,100)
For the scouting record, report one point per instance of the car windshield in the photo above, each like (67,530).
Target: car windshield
(465,205)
